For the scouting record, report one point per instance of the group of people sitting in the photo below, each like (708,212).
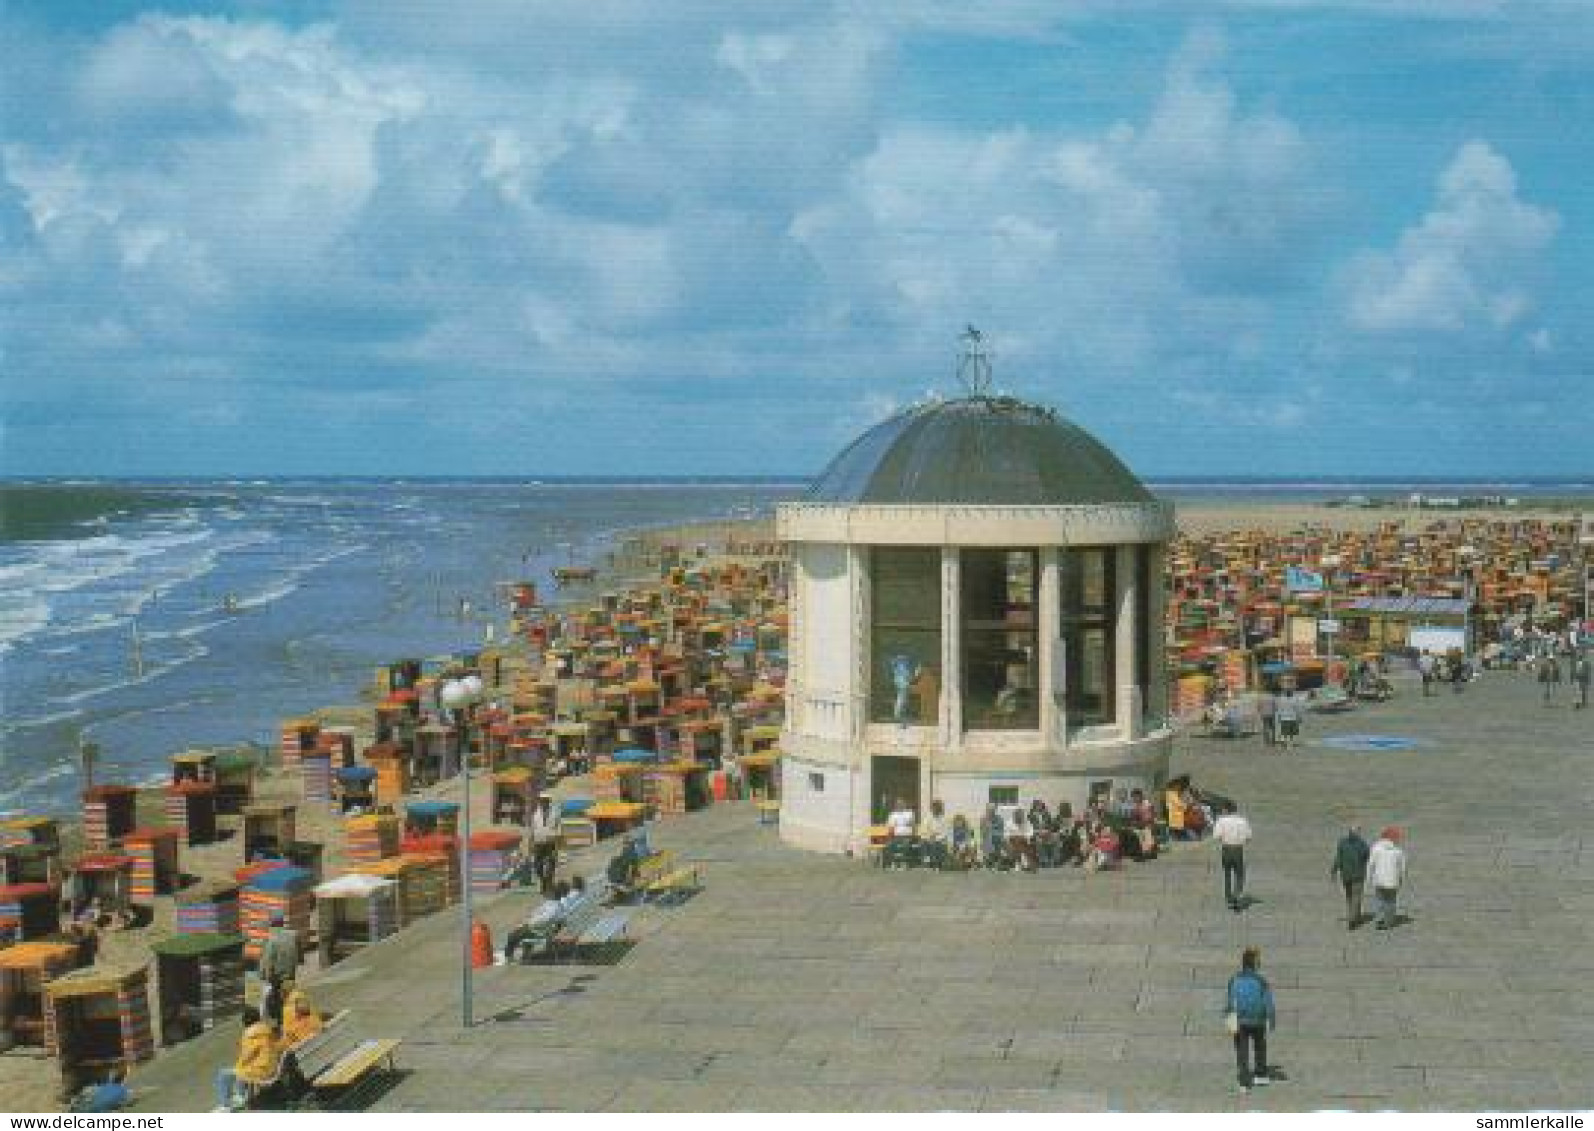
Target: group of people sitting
(1026,838)
(266,1071)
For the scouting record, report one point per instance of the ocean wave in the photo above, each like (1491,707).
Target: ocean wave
(152,672)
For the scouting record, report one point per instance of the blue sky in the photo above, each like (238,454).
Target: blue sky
(502,237)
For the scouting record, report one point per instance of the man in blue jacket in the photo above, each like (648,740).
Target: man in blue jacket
(1350,868)
(1249,1006)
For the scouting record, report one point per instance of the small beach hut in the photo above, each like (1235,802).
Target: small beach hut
(370,838)
(35,909)
(193,766)
(353,911)
(676,787)
(156,870)
(490,853)
(208,909)
(436,753)
(268,829)
(354,787)
(97,1020)
(340,741)
(424,817)
(578,830)
(761,772)
(30,830)
(107,815)
(315,774)
(438,851)
(391,762)
(24,969)
(235,782)
(201,983)
(514,790)
(191,808)
(417,886)
(287,890)
(30,864)
(105,877)
(298,737)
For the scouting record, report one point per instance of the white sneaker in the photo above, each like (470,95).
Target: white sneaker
(1262,1081)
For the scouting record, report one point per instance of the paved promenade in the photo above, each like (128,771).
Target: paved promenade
(803,982)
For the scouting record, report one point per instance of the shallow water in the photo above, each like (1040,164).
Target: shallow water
(203,612)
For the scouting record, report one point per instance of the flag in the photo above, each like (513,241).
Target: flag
(1298,580)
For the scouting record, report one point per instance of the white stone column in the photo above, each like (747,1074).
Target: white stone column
(1155,633)
(858,695)
(951,651)
(1048,623)
(1126,645)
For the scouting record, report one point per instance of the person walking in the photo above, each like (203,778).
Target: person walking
(1350,868)
(1582,675)
(1425,667)
(1289,720)
(1386,871)
(1267,707)
(545,832)
(279,963)
(1549,677)
(1232,833)
(1249,1014)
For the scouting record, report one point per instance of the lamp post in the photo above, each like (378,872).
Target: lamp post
(461,696)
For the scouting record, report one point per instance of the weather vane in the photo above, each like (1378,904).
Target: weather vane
(974,367)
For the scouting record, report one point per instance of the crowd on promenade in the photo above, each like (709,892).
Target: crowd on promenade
(1129,825)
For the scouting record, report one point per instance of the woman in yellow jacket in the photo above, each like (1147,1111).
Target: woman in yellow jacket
(259,1054)
(300,1021)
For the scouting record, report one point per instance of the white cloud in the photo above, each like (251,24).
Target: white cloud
(1467,265)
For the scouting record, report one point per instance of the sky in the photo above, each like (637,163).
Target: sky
(537,237)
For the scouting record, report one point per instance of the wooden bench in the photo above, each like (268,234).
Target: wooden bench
(588,923)
(339,1065)
(673,885)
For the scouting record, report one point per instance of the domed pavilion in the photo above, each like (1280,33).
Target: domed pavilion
(976,611)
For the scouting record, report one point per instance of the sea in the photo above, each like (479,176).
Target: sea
(152,617)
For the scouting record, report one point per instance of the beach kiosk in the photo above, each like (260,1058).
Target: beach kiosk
(353,911)
(45,831)
(201,980)
(208,909)
(514,791)
(156,870)
(354,788)
(105,878)
(391,762)
(976,617)
(268,829)
(191,809)
(424,818)
(97,1021)
(298,738)
(24,969)
(193,766)
(30,864)
(235,782)
(108,815)
(34,910)
(287,890)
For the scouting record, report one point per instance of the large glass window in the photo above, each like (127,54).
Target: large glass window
(1000,653)
(905,637)
(1088,634)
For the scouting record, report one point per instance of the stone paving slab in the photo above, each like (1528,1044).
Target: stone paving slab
(801,982)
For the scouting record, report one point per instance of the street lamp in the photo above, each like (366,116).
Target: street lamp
(460,696)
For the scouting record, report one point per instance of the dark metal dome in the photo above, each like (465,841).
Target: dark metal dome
(978,450)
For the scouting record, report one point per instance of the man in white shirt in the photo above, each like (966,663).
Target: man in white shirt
(1386,871)
(545,832)
(901,825)
(1232,833)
